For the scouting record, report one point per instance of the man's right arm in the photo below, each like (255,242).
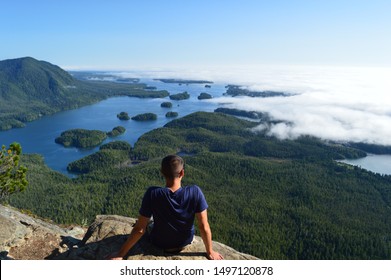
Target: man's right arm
(206,234)
(137,232)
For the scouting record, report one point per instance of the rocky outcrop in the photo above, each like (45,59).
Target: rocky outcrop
(28,238)
(24,237)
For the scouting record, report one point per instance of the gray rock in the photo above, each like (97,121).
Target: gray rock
(12,232)
(28,238)
(107,234)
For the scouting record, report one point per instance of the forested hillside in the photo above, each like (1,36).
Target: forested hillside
(30,89)
(267,197)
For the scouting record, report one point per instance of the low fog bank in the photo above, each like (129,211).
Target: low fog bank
(346,104)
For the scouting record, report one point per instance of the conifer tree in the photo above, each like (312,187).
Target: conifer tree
(12,175)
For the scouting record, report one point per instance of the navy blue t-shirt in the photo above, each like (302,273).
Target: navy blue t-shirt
(173,214)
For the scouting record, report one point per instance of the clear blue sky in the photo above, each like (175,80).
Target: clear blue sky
(119,34)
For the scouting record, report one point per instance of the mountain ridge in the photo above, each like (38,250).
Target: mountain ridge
(16,66)
(27,76)
(30,89)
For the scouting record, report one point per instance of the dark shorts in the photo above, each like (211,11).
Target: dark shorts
(170,250)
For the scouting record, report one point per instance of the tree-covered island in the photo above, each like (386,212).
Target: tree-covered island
(81,138)
(145,117)
(166,105)
(183,81)
(204,95)
(235,90)
(180,96)
(118,130)
(171,114)
(123,116)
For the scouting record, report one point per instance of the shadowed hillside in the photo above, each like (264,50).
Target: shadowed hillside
(30,89)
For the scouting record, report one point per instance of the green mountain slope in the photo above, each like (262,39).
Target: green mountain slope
(35,78)
(30,89)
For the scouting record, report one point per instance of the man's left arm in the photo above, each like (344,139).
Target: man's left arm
(206,234)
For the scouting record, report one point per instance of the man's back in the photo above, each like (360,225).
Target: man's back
(173,214)
(173,209)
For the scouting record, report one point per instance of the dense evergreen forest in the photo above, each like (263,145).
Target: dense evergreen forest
(180,96)
(124,116)
(372,148)
(145,117)
(275,199)
(166,105)
(40,88)
(116,131)
(242,113)
(204,95)
(182,81)
(81,138)
(171,114)
(235,90)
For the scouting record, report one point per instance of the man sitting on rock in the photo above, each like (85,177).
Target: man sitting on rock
(173,209)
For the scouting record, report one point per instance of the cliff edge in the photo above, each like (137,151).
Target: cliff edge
(26,238)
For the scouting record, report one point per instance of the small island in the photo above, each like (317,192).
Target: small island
(123,116)
(118,130)
(166,105)
(208,86)
(180,96)
(145,117)
(235,90)
(204,95)
(182,81)
(81,138)
(171,114)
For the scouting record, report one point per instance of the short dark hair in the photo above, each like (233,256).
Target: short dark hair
(172,165)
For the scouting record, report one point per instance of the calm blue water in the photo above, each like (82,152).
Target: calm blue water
(38,136)
(377,163)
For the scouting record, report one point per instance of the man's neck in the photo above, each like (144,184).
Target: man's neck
(173,185)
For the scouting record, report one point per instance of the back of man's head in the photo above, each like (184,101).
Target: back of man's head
(172,165)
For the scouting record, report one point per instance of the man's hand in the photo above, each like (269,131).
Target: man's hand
(114,256)
(116,259)
(214,256)
(206,234)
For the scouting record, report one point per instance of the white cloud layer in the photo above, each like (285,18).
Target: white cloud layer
(341,104)
(333,103)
